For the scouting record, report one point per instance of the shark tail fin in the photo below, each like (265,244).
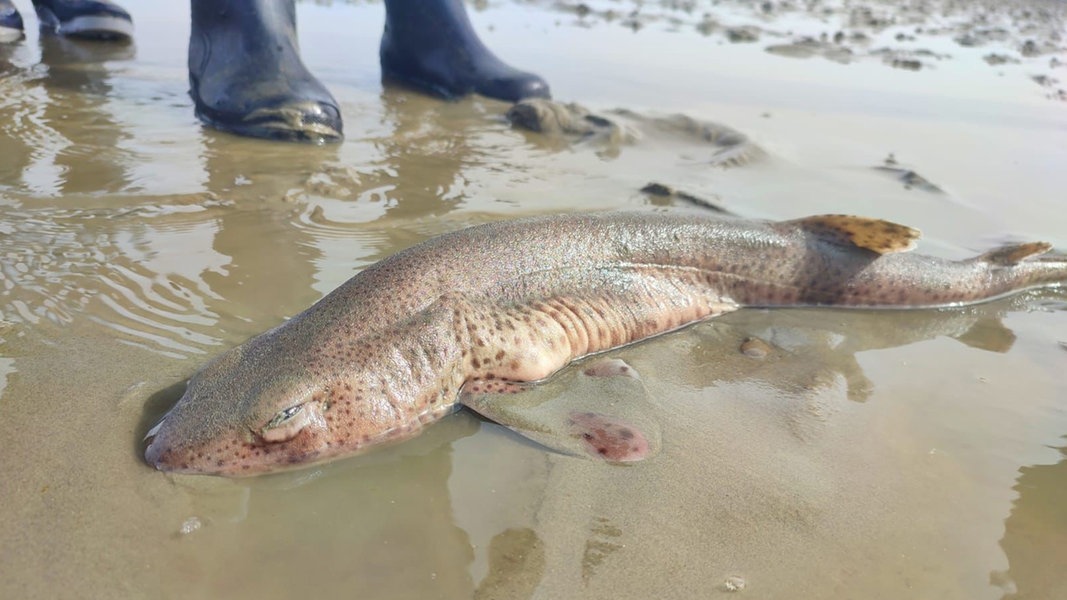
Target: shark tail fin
(1013,254)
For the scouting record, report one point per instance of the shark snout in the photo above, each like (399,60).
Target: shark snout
(228,453)
(168,451)
(157,450)
(152,455)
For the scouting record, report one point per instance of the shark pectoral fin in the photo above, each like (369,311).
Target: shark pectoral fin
(1011,255)
(876,235)
(608,437)
(601,413)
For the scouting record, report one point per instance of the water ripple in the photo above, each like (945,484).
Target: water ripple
(116,269)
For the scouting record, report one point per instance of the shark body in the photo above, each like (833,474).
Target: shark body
(479,312)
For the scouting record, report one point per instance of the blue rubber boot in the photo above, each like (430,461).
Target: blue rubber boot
(88,19)
(246,75)
(430,45)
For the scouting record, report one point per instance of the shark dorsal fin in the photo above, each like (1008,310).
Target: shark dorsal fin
(876,235)
(1013,254)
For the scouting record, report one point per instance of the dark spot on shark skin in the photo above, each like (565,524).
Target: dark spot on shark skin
(608,438)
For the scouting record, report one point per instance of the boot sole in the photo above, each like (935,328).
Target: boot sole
(392,77)
(273,128)
(95,27)
(10,34)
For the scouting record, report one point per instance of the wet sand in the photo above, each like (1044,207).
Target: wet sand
(868,455)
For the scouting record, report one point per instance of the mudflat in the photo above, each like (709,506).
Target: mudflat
(803,454)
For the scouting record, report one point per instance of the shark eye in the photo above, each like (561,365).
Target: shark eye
(284,416)
(286,424)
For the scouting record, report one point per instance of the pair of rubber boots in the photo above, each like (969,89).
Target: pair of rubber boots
(246,75)
(91,19)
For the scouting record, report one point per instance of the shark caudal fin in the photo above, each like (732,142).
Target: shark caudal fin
(875,235)
(1027,264)
(1013,254)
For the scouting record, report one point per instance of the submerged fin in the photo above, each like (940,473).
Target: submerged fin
(876,235)
(598,413)
(610,367)
(607,437)
(1007,256)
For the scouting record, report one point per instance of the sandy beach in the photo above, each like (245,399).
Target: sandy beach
(872,454)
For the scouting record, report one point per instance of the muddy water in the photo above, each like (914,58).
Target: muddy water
(867,455)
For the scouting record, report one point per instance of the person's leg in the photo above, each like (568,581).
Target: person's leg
(246,75)
(93,19)
(10,22)
(430,45)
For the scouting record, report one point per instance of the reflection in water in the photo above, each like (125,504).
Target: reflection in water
(91,160)
(423,157)
(1035,535)
(808,350)
(47,151)
(267,258)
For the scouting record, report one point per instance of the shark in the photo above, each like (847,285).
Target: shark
(481,316)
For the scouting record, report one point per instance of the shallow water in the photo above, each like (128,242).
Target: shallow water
(870,455)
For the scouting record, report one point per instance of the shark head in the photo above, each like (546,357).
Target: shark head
(256,409)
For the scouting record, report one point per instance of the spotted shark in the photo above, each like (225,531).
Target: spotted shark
(479,316)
